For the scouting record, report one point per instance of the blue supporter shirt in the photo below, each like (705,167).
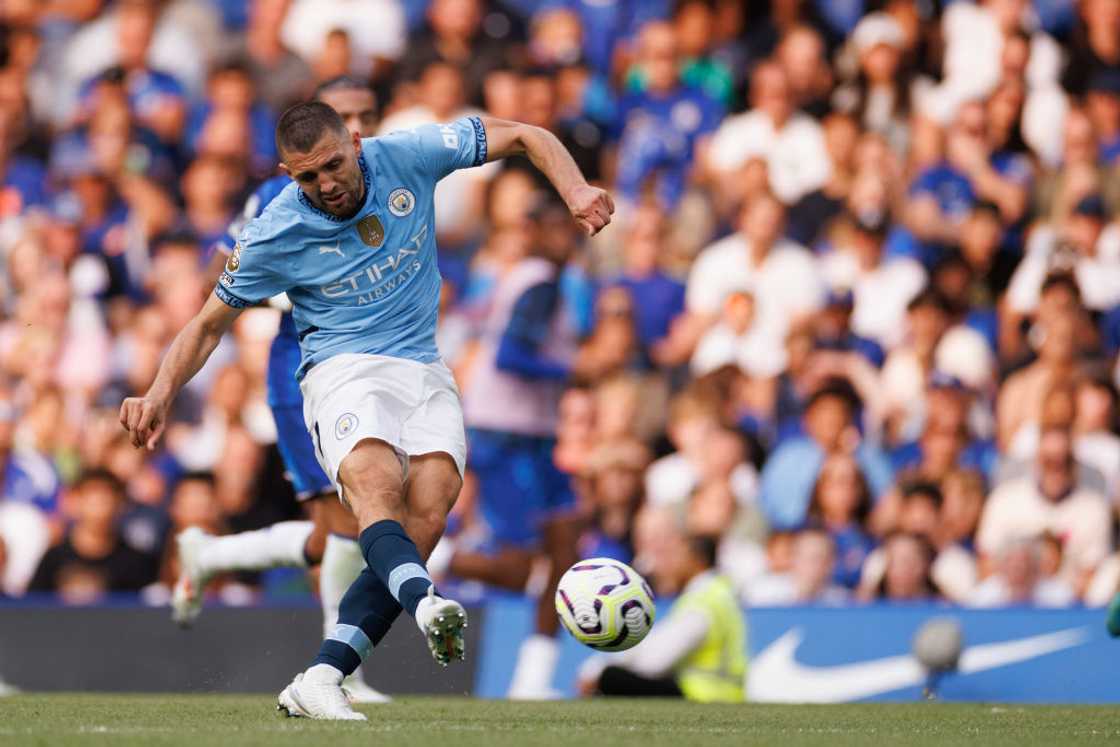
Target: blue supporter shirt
(658,300)
(148,91)
(23,186)
(949,187)
(262,126)
(658,134)
(791,472)
(28,477)
(369,283)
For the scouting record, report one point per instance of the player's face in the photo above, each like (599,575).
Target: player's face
(357,108)
(329,174)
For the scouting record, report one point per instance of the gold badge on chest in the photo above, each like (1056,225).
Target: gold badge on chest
(371,231)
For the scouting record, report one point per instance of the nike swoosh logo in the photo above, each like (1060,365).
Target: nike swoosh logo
(777,677)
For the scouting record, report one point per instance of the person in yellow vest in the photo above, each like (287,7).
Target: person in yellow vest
(698,651)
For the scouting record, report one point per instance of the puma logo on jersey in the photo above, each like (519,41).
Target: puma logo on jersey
(382,276)
(336,249)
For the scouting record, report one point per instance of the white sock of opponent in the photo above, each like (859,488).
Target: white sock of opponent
(342,562)
(281,544)
(536,663)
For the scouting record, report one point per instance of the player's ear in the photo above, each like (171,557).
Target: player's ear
(285,170)
(356,139)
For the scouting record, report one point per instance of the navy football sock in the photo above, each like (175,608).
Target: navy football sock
(365,614)
(393,556)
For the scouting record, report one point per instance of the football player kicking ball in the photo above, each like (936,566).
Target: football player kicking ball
(330,539)
(352,244)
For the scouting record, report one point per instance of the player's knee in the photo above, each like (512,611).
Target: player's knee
(372,479)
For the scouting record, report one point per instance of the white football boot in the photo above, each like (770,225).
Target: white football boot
(442,621)
(318,694)
(359,692)
(186,597)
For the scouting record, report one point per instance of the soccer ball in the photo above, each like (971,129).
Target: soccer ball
(605,604)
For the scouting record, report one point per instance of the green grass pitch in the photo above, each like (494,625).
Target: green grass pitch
(98,719)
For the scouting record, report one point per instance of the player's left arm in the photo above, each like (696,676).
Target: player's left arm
(590,206)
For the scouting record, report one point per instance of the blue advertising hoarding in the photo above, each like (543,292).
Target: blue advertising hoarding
(813,654)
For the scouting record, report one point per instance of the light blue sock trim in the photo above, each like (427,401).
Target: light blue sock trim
(403,573)
(354,637)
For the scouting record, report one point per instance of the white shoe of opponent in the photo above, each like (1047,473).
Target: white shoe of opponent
(442,622)
(186,597)
(318,694)
(359,692)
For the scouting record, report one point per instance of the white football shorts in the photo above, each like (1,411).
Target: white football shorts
(414,407)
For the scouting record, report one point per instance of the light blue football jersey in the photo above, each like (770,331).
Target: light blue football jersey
(367,284)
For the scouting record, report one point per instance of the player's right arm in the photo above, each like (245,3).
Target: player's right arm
(146,417)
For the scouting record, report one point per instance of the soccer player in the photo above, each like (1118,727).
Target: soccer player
(330,538)
(351,243)
(526,354)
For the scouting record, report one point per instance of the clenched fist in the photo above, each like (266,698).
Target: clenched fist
(591,207)
(144,419)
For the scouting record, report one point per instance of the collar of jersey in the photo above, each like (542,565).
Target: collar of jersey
(366,176)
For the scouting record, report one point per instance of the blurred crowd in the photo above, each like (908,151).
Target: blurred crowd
(857,317)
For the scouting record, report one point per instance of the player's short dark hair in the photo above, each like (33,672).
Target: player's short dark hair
(304,125)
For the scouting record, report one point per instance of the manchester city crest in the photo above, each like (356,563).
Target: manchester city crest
(370,230)
(401,202)
(345,425)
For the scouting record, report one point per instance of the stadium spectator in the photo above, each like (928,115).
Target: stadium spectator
(692,424)
(786,283)
(93,558)
(661,122)
(879,94)
(910,364)
(904,575)
(155,97)
(1079,249)
(279,75)
(310,24)
(792,470)
(1051,500)
(882,287)
(1094,46)
(790,142)
(456,36)
(657,298)
(840,505)
(1017,580)
(809,579)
